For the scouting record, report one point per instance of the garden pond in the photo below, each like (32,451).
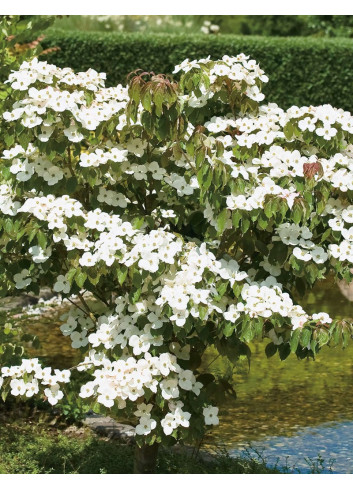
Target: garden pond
(292,413)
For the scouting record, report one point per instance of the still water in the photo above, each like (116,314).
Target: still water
(297,409)
(287,411)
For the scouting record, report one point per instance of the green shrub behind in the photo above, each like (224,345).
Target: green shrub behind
(302,71)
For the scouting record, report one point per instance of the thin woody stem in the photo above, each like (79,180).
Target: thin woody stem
(80,296)
(69,162)
(74,304)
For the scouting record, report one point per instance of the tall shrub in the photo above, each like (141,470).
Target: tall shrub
(174,216)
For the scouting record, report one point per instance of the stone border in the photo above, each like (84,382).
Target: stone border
(111,429)
(108,427)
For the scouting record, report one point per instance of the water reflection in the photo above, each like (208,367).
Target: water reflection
(55,349)
(277,398)
(330,442)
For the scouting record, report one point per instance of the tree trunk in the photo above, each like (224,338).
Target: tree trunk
(145,459)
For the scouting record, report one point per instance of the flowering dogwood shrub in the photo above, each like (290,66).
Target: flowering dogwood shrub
(189,211)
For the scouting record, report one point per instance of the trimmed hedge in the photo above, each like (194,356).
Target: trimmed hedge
(302,71)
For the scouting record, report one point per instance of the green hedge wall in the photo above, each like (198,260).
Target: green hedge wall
(302,71)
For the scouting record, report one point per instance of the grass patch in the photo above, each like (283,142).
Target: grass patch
(29,446)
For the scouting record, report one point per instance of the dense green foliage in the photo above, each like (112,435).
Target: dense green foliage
(304,70)
(284,25)
(331,25)
(263,25)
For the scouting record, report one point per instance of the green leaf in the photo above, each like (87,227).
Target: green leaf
(228,329)
(270,350)
(322,337)
(284,351)
(177,152)
(158,99)
(245,224)
(237,288)
(147,121)
(248,331)
(268,208)
(4,394)
(311,273)
(203,310)
(236,216)
(71,185)
(163,128)
(80,278)
(305,337)
(288,130)
(346,336)
(221,220)
(200,156)
(24,139)
(278,253)
(146,100)
(134,296)
(41,240)
(190,148)
(294,340)
(219,149)
(121,274)
(8,226)
(222,288)
(136,278)
(262,221)
(204,177)
(70,275)
(9,139)
(326,235)
(135,90)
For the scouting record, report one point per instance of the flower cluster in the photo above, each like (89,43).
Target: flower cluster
(245,73)
(62,91)
(27,379)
